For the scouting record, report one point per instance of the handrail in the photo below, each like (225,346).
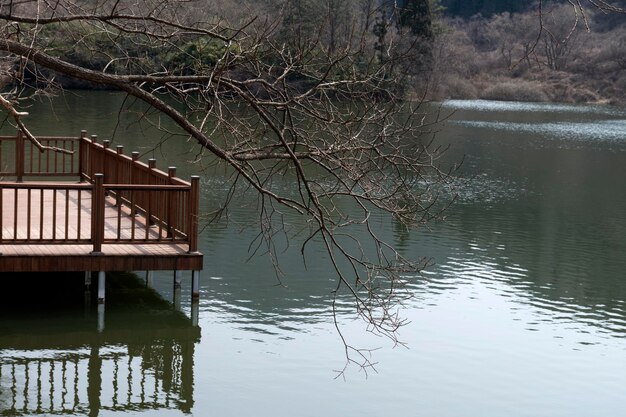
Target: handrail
(117,182)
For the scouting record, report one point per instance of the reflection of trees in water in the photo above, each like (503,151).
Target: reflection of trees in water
(87,380)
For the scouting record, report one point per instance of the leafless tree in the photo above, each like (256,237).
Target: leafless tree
(560,25)
(330,117)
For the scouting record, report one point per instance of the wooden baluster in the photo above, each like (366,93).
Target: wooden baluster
(41,205)
(194,202)
(73,150)
(105,162)
(30,158)
(78,215)
(119,216)
(119,173)
(19,156)
(54,214)
(150,181)
(133,215)
(28,213)
(97,213)
(93,157)
(67,214)
(55,161)
(47,161)
(171,204)
(148,215)
(135,177)
(15,208)
(82,155)
(161,197)
(40,162)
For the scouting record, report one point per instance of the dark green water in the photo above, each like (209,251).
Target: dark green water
(523,314)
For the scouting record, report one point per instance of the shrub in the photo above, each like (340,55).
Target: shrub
(515,91)
(583,95)
(458,88)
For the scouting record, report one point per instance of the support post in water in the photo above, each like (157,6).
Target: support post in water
(177,299)
(101,285)
(149,275)
(178,277)
(195,286)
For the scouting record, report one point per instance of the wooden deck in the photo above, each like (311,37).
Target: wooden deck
(114,213)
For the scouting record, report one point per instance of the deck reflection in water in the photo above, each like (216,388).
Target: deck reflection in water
(61,363)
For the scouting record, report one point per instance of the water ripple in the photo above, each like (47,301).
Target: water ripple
(519,107)
(588,132)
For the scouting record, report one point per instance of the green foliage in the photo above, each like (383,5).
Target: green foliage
(416,15)
(195,56)
(123,54)
(97,50)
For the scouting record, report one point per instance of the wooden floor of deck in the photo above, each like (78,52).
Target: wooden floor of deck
(24,247)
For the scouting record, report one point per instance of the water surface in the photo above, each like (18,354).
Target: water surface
(523,313)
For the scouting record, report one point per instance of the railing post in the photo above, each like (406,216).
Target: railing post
(135,158)
(171,204)
(97,213)
(194,203)
(19,156)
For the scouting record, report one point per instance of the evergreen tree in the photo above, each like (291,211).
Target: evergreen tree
(416,15)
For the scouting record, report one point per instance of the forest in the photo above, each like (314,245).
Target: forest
(502,50)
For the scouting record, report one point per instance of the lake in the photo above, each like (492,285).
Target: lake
(522,314)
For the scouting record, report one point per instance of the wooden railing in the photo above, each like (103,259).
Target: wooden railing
(44,212)
(19,157)
(130,201)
